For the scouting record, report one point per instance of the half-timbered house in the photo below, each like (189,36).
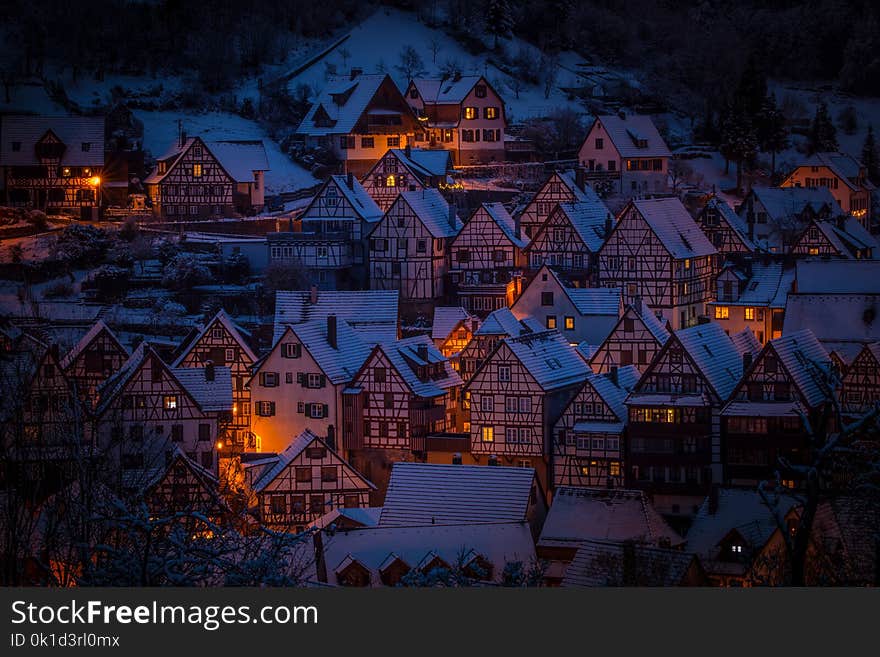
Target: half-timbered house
(498,325)
(752,297)
(404,391)
(580,314)
(517,395)
(93,360)
(860,387)
(302,483)
(570,240)
(674,444)
(407,169)
(196,179)
(840,237)
(224,343)
(52,163)
(487,260)
(787,383)
(626,563)
(358,118)
(298,385)
(330,249)
(185,488)
(148,408)
(588,438)
(635,340)
(408,247)
(627,151)
(452,329)
(560,187)
(724,228)
(464,115)
(657,253)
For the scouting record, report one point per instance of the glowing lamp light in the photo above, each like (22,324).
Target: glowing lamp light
(219,444)
(95,181)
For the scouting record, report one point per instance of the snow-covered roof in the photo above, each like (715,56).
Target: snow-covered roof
(654,324)
(614,563)
(715,355)
(595,300)
(407,354)
(846,525)
(417,546)
(234,330)
(768,286)
(848,236)
(425,162)
(360,516)
(815,276)
(432,210)
(587,350)
(611,393)
(344,101)
(835,319)
(736,223)
(740,510)
(626,131)
(215,395)
(503,322)
(431,493)
(446,318)
(499,214)
(674,227)
(73,131)
(806,361)
(358,199)
(746,342)
(614,514)
(588,219)
(340,363)
(764,409)
(445,92)
(549,358)
(844,166)
(581,195)
(372,313)
(240,158)
(96,330)
(784,202)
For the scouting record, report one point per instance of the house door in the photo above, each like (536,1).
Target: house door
(40,200)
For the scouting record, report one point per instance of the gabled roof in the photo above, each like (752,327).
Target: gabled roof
(733,220)
(432,210)
(714,355)
(343,101)
(213,395)
(745,342)
(844,166)
(96,330)
(404,356)
(839,321)
(653,323)
(499,214)
(73,131)
(425,162)
(615,563)
(359,516)
(784,202)
(768,286)
(588,220)
(231,327)
(569,179)
(503,322)
(445,92)
(240,158)
(372,313)
(579,514)
(358,199)
(674,227)
(341,363)
(806,361)
(549,358)
(626,131)
(446,318)
(847,237)
(595,300)
(275,465)
(430,493)
(611,393)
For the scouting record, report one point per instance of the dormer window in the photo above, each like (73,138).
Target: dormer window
(86,146)
(480,91)
(161,167)
(197,151)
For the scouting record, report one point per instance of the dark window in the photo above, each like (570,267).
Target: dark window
(207,460)
(328,473)
(304,475)
(177,433)
(204,432)
(546,298)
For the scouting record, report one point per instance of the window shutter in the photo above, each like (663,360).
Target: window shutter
(271,408)
(308,409)
(300,407)
(300,378)
(323,381)
(325,410)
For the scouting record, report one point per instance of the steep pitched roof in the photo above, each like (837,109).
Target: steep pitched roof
(595,300)
(613,563)
(848,523)
(499,214)
(783,202)
(404,355)
(231,327)
(848,236)
(341,363)
(736,223)
(768,286)
(96,330)
(582,195)
(343,101)
(715,355)
(653,323)
(445,92)
(425,162)
(745,342)
(240,158)
(73,131)
(432,210)
(579,514)
(213,395)
(805,360)
(841,322)
(503,322)
(372,313)
(446,318)
(626,131)
(549,358)
(358,199)
(429,493)
(674,227)
(588,220)
(844,166)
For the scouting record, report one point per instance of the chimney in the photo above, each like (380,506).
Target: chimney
(612,375)
(747,361)
(422,351)
(713,499)
(452,215)
(331,331)
(313,295)
(354,73)
(209,371)
(608,224)
(580,178)
(517,226)
(475,325)
(408,150)
(350,180)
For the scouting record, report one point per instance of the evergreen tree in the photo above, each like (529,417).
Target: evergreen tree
(752,89)
(739,141)
(772,133)
(499,19)
(869,156)
(823,134)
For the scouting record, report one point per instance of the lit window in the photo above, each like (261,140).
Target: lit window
(722,312)
(488,434)
(813,250)
(169,402)
(736,549)
(614,468)
(391,181)
(551,321)
(687,263)
(569,323)
(197,170)
(470,112)
(65,172)
(490,112)
(750,314)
